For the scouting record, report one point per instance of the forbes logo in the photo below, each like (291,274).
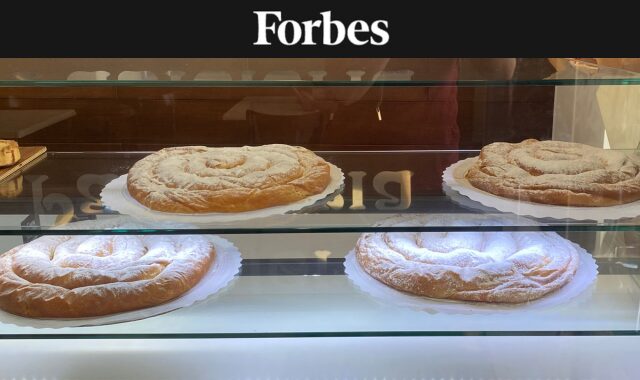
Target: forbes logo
(334,32)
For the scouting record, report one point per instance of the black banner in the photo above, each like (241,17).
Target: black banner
(314,29)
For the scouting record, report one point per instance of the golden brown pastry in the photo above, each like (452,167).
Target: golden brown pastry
(557,173)
(9,152)
(11,188)
(86,276)
(198,179)
(504,267)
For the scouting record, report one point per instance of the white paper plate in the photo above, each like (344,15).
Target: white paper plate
(116,197)
(220,274)
(578,289)
(454,178)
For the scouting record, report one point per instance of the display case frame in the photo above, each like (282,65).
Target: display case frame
(292,282)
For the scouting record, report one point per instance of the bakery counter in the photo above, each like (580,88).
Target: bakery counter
(370,244)
(296,286)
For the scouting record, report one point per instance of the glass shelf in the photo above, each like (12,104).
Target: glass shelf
(298,225)
(65,187)
(300,295)
(307,83)
(336,72)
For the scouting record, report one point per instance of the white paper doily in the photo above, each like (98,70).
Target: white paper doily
(220,274)
(454,178)
(116,196)
(579,288)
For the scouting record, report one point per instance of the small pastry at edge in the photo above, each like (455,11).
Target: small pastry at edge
(11,188)
(557,173)
(9,152)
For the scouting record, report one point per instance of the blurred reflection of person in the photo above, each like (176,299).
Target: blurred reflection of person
(399,118)
(423,117)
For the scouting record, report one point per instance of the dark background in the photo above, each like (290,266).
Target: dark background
(149,117)
(228,29)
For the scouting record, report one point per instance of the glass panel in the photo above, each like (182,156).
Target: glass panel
(391,125)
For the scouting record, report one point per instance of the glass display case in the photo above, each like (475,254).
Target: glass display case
(302,304)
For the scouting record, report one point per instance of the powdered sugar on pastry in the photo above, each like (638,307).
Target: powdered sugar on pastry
(198,179)
(558,173)
(508,267)
(82,276)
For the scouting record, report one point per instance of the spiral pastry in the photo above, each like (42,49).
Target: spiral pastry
(505,267)
(198,179)
(86,276)
(557,173)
